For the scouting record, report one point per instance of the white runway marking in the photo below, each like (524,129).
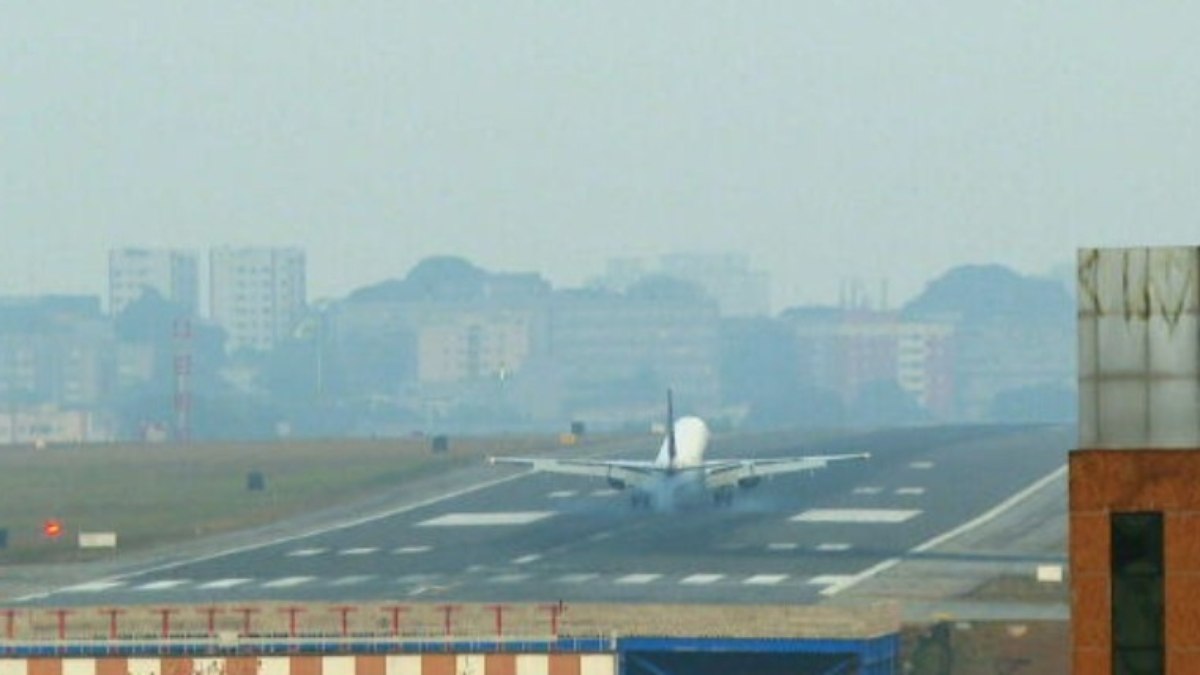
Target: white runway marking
(782,546)
(600,536)
(946,536)
(225,583)
(486,519)
(93,586)
(576,578)
(832,547)
(352,579)
(910,491)
(526,559)
(562,494)
(509,578)
(306,552)
(287,582)
(764,579)
(829,579)
(605,492)
(637,578)
(406,550)
(868,490)
(855,516)
(365,550)
(920,465)
(162,585)
(701,579)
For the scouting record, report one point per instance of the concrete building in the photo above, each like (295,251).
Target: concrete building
(471,345)
(173,274)
(622,349)
(847,350)
(55,351)
(256,294)
(1134,523)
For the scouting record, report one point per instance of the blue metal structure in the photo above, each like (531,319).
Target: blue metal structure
(761,656)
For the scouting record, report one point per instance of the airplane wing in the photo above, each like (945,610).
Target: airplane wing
(625,472)
(747,472)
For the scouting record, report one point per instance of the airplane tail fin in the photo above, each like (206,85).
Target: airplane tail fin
(671,448)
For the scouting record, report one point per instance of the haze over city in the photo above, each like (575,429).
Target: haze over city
(824,141)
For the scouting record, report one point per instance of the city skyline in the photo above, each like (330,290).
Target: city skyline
(824,141)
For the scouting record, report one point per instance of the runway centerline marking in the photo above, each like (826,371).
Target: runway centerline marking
(406,550)
(225,583)
(832,547)
(526,559)
(605,492)
(306,552)
(764,579)
(868,490)
(701,579)
(578,578)
(363,550)
(287,582)
(829,579)
(486,519)
(93,586)
(871,516)
(562,494)
(161,585)
(782,546)
(910,491)
(920,465)
(637,578)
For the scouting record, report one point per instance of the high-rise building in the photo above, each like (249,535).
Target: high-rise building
(256,294)
(173,274)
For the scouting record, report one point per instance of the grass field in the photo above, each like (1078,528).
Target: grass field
(156,494)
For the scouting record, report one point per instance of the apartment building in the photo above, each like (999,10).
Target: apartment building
(257,295)
(173,274)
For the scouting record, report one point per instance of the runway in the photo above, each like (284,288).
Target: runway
(534,537)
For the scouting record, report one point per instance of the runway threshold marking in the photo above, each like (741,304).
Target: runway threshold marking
(701,579)
(352,580)
(978,521)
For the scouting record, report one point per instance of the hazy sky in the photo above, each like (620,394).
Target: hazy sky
(823,139)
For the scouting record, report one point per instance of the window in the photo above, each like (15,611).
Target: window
(1137,593)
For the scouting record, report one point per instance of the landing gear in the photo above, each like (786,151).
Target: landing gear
(723,497)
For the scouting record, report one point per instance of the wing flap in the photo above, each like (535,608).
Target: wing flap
(722,473)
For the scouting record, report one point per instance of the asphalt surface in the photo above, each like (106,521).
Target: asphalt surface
(524,537)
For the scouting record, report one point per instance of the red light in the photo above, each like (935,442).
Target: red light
(52,528)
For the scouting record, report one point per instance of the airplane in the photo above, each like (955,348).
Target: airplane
(680,470)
